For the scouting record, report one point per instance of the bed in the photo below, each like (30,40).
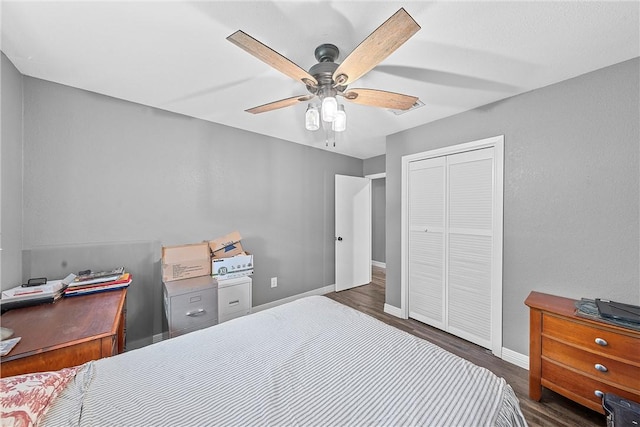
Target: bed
(309,362)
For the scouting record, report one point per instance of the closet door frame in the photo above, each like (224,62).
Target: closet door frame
(497,142)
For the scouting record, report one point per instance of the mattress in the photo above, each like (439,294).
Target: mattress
(309,362)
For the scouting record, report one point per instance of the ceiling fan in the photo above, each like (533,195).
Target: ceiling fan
(328,79)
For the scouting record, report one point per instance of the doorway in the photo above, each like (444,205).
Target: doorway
(378,219)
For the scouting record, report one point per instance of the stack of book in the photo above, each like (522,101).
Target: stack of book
(25,296)
(102,281)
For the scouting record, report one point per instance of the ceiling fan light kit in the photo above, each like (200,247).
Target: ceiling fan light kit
(328,79)
(312,118)
(329,108)
(340,122)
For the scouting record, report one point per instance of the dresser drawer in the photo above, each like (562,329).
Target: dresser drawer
(607,369)
(612,343)
(194,309)
(234,300)
(579,387)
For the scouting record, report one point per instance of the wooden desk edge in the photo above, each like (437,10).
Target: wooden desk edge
(116,329)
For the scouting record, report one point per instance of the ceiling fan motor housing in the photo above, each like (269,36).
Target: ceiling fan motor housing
(326,54)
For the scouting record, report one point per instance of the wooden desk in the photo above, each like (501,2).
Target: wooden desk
(69,332)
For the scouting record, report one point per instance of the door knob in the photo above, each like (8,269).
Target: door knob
(339,239)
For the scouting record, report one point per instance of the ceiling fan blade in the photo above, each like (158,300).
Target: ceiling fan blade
(279,104)
(271,57)
(374,49)
(380,98)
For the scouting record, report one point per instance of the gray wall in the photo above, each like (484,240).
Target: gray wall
(571,197)
(378,220)
(144,316)
(109,175)
(374,165)
(11,175)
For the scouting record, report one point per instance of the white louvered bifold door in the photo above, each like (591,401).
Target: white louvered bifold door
(451,219)
(426,241)
(470,237)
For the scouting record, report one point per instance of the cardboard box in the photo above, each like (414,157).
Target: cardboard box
(185,261)
(230,268)
(224,241)
(229,251)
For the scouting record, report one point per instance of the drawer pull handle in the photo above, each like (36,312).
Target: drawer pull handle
(601,368)
(196,313)
(599,394)
(601,342)
(234,302)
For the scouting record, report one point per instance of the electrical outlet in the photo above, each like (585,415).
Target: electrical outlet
(274,282)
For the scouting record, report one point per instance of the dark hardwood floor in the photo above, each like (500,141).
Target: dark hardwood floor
(552,410)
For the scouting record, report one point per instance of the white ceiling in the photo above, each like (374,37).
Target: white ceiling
(173,55)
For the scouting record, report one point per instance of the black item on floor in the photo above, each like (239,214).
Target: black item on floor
(620,412)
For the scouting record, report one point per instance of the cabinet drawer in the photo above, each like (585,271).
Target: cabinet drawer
(234,299)
(578,387)
(612,343)
(193,309)
(615,371)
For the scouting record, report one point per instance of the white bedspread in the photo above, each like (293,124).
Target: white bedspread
(309,362)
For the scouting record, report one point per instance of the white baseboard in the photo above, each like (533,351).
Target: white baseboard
(319,291)
(392,310)
(515,358)
(379,264)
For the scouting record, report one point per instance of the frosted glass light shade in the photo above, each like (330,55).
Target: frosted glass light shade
(340,123)
(329,109)
(312,118)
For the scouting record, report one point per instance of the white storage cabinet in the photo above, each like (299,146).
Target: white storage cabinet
(234,298)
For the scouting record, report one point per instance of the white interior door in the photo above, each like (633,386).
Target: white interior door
(353,231)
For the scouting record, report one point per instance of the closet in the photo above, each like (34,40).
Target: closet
(453,240)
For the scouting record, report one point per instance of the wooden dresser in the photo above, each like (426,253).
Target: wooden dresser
(67,333)
(580,358)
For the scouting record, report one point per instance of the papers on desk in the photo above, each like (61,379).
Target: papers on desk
(90,286)
(21,296)
(98,277)
(53,289)
(72,285)
(7,345)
